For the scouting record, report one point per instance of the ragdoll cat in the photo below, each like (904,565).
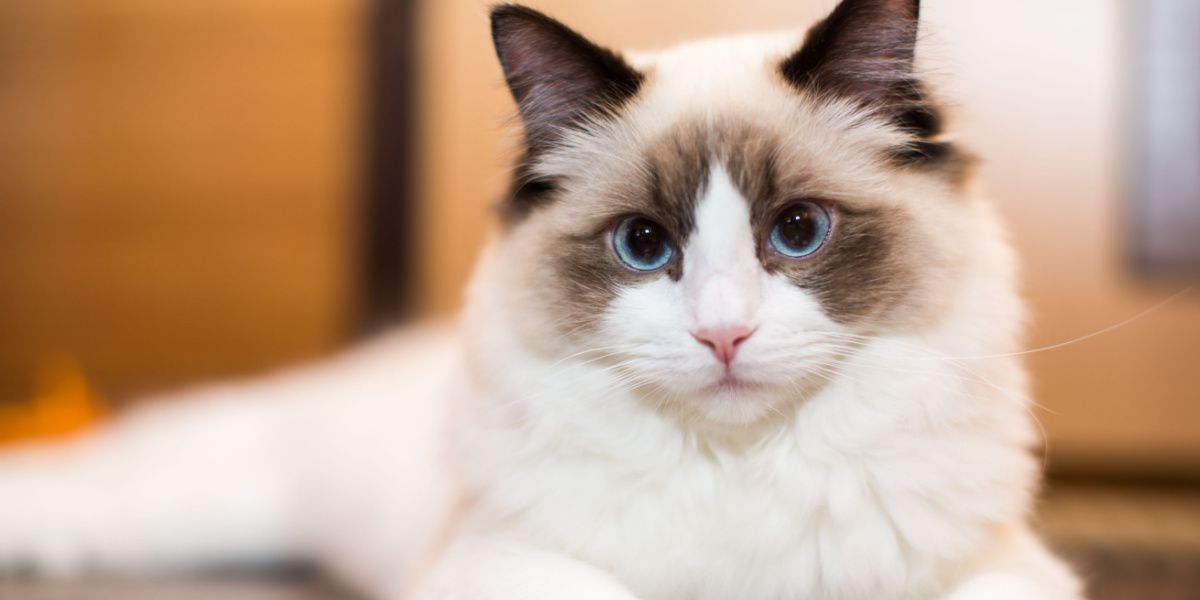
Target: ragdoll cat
(745,334)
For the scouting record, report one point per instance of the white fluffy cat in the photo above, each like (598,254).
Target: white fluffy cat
(745,334)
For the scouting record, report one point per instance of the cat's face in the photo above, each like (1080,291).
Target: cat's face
(721,224)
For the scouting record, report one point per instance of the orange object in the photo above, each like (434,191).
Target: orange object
(63,404)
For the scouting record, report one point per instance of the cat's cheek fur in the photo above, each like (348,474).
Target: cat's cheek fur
(788,357)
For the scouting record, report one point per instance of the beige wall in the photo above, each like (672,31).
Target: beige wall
(1040,98)
(1043,97)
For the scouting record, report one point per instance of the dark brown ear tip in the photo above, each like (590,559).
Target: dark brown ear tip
(509,9)
(503,15)
(509,19)
(910,8)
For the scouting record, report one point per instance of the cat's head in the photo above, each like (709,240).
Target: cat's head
(719,224)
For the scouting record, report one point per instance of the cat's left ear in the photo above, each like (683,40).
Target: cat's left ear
(556,75)
(864,52)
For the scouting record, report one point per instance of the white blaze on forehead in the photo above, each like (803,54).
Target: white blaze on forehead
(721,272)
(738,72)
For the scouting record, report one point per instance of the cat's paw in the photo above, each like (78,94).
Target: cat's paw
(39,530)
(1005,586)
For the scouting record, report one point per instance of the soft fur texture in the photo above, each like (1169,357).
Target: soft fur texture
(576,437)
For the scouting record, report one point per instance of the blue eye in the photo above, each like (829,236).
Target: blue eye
(801,230)
(642,244)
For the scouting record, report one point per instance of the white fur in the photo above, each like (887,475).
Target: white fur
(891,483)
(501,465)
(722,275)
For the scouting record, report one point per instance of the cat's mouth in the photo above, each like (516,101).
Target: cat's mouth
(730,383)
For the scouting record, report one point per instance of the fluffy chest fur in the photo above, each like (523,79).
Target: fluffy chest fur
(888,484)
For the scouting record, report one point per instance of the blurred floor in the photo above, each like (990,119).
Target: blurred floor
(1130,543)
(239,588)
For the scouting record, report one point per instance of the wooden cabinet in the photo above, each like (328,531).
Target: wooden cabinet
(177,186)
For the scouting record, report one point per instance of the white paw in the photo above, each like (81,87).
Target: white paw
(35,534)
(1003,586)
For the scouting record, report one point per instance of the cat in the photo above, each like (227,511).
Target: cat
(746,333)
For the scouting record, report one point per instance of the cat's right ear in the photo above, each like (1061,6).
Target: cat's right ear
(557,76)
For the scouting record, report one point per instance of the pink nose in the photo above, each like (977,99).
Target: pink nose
(723,340)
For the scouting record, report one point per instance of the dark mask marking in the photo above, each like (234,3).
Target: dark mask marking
(865,276)
(861,275)
(674,176)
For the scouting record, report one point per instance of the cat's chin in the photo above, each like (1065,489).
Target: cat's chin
(736,386)
(736,401)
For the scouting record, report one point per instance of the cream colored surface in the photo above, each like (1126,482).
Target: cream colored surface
(1040,96)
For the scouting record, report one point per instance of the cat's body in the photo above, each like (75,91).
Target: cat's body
(793,377)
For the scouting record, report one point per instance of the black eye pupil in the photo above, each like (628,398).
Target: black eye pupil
(798,227)
(645,240)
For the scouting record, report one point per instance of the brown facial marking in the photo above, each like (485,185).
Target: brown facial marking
(674,177)
(679,164)
(587,279)
(863,273)
(942,159)
(526,192)
(751,158)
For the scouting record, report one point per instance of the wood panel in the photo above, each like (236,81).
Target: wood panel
(176,185)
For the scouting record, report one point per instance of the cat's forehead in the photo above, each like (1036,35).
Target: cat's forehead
(716,69)
(721,102)
(724,83)
(659,165)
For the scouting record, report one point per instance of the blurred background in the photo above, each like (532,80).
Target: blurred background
(209,188)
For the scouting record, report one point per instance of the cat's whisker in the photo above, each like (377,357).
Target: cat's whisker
(1024,402)
(1050,347)
(965,374)
(568,362)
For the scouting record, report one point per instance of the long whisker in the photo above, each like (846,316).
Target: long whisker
(1125,323)
(1089,336)
(975,375)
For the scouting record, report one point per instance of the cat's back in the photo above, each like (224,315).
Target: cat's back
(377,485)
